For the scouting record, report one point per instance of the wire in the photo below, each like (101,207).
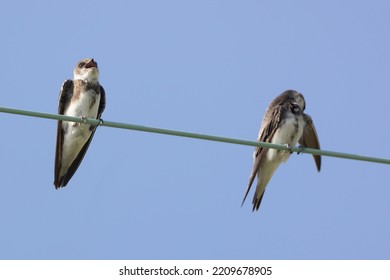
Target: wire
(193,135)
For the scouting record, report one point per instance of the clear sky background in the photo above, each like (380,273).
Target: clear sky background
(208,67)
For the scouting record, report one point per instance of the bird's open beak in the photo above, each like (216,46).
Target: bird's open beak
(91,63)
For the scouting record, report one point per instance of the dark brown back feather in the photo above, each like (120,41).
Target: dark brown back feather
(270,124)
(309,139)
(63,101)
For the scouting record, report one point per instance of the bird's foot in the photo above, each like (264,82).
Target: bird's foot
(84,120)
(100,122)
(288,148)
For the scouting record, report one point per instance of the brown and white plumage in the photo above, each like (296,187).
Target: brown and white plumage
(284,123)
(81,97)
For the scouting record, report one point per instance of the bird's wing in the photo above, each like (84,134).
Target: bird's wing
(102,104)
(309,139)
(65,95)
(268,128)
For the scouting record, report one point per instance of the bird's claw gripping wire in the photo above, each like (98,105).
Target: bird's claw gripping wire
(92,127)
(288,148)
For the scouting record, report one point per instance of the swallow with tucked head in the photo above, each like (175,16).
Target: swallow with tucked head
(284,123)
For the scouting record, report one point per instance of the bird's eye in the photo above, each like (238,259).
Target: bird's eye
(81,64)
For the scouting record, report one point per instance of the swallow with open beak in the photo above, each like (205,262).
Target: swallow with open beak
(81,97)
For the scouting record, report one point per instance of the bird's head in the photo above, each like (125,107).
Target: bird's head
(86,70)
(296,101)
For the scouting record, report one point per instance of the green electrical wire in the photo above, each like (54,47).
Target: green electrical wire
(193,135)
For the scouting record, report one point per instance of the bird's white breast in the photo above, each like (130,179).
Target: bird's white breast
(82,106)
(289,132)
(77,134)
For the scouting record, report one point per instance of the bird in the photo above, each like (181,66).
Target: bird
(81,97)
(284,123)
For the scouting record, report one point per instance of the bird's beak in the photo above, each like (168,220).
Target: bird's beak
(91,64)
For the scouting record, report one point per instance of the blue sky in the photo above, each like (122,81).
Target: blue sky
(208,67)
